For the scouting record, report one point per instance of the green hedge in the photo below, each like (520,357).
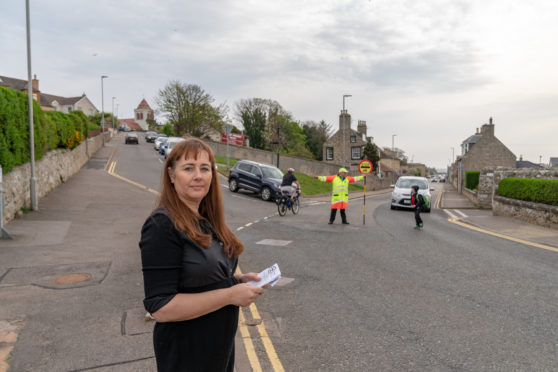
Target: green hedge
(534,190)
(472,179)
(51,129)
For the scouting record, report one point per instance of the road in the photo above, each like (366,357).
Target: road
(384,296)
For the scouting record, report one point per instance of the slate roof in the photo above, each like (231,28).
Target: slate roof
(47,99)
(554,162)
(472,139)
(527,164)
(12,83)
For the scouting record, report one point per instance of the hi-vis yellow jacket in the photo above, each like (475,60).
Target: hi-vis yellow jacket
(340,190)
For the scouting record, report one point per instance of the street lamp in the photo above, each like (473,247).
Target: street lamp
(344,112)
(392,157)
(103,109)
(452,155)
(113,98)
(33,181)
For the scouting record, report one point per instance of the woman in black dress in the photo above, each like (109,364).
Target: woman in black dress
(189,257)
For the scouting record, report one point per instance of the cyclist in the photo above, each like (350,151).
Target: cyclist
(287,184)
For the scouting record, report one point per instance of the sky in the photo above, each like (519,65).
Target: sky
(428,72)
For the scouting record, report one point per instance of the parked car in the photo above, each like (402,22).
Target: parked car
(150,136)
(167,146)
(131,137)
(401,195)
(158,141)
(260,178)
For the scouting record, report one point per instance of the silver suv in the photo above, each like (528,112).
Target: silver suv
(401,195)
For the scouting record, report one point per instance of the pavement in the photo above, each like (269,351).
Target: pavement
(71,283)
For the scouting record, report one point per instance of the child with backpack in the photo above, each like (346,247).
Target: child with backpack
(418,201)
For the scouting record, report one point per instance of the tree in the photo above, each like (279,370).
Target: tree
(190,109)
(168,129)
(316,135)
(371,153)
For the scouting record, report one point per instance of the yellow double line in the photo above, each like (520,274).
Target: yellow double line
(248,344)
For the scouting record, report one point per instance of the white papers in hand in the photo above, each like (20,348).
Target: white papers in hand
(269,276)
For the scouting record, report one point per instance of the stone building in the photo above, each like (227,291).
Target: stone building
(354,142)
(485,151)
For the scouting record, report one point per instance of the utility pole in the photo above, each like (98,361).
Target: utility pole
(33,181)
(344,113)
(113,98)
(392,158)
(103,109)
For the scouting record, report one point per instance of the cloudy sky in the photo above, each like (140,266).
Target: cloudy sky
(428,71)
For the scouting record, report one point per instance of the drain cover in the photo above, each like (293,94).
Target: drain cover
(71,278)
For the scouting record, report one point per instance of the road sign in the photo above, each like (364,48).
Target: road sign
(227,128)
(365,167)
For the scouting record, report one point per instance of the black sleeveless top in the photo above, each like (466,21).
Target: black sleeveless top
(172,263)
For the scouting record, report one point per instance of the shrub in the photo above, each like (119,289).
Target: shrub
(472,179)
(51,129)
(534,190)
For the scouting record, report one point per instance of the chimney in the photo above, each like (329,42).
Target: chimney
(488,129)
(347,122)
(35,83)
(477,131)
(361,127)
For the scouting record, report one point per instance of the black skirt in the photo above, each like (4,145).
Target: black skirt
(203,344)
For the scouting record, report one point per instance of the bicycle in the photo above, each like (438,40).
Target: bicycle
(285,203)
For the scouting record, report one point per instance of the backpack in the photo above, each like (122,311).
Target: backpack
(425,201)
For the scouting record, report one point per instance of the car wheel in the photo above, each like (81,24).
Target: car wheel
(266,193)
(233,185)
(392,207)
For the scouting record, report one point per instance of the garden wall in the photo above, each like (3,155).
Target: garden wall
(54,168)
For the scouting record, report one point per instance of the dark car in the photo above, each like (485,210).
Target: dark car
(260,178)
(131,138)
(150,136)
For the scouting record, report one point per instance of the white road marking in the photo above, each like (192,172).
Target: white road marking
(450,214)
(248,224)
(240,228)
(274,242)
(265,218)
(460,213)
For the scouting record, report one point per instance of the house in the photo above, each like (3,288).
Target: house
(142,113)
(527,164)
(486,151)
(390,160)
(67,105)
(51,102)
(354,142)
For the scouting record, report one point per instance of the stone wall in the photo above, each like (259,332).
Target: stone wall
(310,167)
(535,213)
(54,168)
(490,177)
(471,195)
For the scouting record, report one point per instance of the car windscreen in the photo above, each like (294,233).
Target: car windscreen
(272,173)
(131,135)
(408,183)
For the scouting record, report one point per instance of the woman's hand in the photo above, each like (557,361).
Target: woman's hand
(244,294)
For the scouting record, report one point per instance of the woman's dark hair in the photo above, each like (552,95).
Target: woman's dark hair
(211,206)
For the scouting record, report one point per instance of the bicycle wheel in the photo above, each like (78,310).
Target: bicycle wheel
(295,207)
(282,208)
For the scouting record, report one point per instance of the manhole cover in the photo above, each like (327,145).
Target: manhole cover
(71,279)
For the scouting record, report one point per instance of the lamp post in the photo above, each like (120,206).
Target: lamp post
(113,98)
(392,157)
(344,113)
(452,155)
(33,181)
(103,109)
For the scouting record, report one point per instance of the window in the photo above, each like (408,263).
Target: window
(353,139)
(355,152)
(69,109)
(329,153)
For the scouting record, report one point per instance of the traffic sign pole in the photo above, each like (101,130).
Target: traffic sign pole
(364,167)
